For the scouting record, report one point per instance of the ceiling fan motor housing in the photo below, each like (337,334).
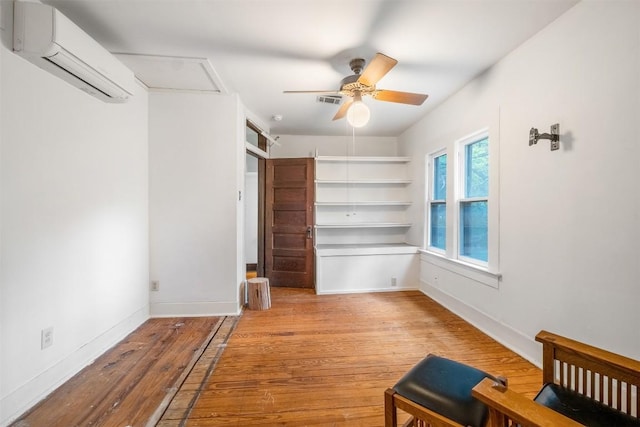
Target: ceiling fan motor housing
(350,85)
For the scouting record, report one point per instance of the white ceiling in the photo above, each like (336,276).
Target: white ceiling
(259,48)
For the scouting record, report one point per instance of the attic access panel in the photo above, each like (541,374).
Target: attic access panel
(174,72)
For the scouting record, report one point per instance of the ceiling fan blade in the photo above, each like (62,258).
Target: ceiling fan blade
(343,110)
(377,68)
(335,92)
(400,97)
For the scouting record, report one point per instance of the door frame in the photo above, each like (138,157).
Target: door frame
(261,154)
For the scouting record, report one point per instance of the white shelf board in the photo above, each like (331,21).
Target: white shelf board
(365,225)
(363,159)
(363,181)
(366,203)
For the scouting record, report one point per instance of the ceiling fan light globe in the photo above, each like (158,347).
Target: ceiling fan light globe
(358,114)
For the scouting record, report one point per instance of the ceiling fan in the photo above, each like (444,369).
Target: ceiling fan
(363,82)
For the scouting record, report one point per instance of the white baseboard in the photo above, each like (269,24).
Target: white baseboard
(514,340)
(195,309)
(24,397)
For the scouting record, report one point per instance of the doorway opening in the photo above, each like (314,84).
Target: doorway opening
(254,192)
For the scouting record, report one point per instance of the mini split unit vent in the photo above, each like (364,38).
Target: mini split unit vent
(50,40)
(330,99)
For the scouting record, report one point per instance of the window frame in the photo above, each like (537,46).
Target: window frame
(487,273)
(461,198)
(430,200)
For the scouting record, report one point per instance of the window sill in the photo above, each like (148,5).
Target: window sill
(470,271)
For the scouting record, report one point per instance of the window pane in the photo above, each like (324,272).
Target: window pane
(473,230)
(477,169)
(438,231)
(440,177)
(251,136)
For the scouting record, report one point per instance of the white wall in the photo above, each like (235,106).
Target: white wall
(3,417)
(292,146)
(569,219)
(196,157)
(74,227)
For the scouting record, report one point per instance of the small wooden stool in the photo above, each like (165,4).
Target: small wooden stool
(259,293)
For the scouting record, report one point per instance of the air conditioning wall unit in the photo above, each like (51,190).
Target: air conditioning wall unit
(46,37)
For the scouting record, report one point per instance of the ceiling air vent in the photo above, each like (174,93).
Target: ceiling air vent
(329,99)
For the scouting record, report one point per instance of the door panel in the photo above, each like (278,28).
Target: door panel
(289,259)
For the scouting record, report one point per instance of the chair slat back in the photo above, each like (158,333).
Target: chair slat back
(608,378)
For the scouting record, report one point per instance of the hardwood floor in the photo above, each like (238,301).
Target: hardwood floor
(326,360)
(308,361)
(132,382)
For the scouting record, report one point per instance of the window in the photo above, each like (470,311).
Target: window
(473,200)
(254,136)
(460,226)
(438,202)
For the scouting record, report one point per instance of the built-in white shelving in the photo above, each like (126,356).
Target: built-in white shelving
(356,193)
(361,224)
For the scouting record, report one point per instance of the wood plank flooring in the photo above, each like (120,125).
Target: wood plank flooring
(128,384)
(326,360)
(177,412)
(310,360)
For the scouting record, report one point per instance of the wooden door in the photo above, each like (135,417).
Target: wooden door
(289,258)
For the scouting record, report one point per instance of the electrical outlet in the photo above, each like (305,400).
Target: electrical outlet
(46,338)
(394,281)
(155,285)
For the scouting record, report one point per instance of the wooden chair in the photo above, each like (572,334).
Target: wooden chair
(595,387)
(436,392)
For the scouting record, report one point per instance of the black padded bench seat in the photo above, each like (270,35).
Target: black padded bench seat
(583,409)
(444,386)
